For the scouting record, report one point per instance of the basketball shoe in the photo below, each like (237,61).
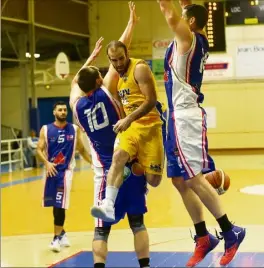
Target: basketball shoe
(204,244)
(104,211)
(233,239)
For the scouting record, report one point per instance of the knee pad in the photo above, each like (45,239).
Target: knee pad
(136,223)
(59,216)
(102,233)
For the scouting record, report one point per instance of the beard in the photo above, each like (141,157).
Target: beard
(61,119)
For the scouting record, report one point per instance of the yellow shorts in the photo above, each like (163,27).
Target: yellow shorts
(144,144)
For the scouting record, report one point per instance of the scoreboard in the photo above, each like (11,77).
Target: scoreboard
(215,28)
(228,13)
(244,12)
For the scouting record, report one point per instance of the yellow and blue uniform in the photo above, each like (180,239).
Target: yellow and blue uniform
(144,138)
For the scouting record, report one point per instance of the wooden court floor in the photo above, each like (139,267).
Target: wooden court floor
(27,227)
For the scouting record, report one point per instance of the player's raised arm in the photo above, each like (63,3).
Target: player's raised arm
(80,147)
(50,167)
(185,3)
(111,78)
(76,92)
(178,25)
(127,35)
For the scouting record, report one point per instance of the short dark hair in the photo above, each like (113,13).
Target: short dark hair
(199,12)
(57,103)
(87,78)
(116,44)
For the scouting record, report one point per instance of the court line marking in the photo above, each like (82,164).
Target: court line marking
(31,179)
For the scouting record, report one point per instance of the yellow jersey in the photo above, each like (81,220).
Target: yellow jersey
(132,97)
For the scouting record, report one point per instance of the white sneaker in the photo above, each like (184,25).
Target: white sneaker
(55,245)
(105,211)
(64,241)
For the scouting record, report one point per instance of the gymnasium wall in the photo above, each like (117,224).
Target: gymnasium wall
(238,103)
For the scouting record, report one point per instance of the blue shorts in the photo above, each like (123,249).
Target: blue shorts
(57,190)
(131,196)
(186,144)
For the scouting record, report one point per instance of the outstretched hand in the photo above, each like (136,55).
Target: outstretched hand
(133,16)
(97,48)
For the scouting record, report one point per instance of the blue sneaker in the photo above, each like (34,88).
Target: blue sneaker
(233,239)
(204,245)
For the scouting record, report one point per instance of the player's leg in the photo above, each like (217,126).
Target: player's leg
(125,149)
(141,239)
(61,203)
(135,206)
(151,154)
(102,229)
(155,149)
(205,242)
(100,249)
(194,158)
(49,201)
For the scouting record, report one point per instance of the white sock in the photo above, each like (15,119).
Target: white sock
(111,194)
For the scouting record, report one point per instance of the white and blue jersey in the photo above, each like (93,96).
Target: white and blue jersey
(60,150)
(186,145)
(184,73)
(96,114)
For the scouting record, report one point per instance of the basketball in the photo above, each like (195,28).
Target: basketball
(219,180)
(137,169)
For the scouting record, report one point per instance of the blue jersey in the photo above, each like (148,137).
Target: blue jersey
(96,113)
(60,145)
(184,73)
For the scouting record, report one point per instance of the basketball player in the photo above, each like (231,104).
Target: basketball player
(140,132)
(187,148)
(97,111)
(56,148)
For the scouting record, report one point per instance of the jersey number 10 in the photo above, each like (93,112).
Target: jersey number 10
(92,120)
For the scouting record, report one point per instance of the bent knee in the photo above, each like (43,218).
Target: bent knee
(153,179)
(195,181)
(179,183)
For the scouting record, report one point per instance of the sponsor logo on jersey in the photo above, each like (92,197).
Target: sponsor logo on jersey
(69,137)
(59,159)
(166,76)
(156,167)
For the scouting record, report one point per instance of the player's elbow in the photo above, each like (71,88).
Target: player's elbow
(152,101)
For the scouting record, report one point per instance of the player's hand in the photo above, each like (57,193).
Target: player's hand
(97,48)
(133,16)
(122,125)
(51,169)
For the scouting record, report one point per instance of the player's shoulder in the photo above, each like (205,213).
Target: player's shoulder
(72,126)
(48,126)
(201,39)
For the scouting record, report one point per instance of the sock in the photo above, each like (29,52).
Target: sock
(111,193)
(200,229)
(99,265)
(144,263)
(224,223)
(62,232)
(55,237)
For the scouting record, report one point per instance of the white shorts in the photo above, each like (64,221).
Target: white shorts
(186,145)
(99,189)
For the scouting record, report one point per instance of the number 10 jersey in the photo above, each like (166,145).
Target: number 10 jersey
(96,113)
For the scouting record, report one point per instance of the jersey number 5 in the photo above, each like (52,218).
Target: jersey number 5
(92,120)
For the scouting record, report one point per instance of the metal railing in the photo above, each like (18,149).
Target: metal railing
(10,156)
(8,132)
